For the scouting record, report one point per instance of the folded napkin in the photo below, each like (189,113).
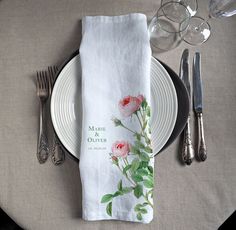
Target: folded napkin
(116,159)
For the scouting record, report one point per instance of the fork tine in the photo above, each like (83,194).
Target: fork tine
(37,81)
(49,71)
(42,77)
(50,77)
(46,80)
(54,72)
(42,83)
(55,68)
(40,80)
(51,74)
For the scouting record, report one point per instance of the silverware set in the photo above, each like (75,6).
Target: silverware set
(44,85)
(188,152)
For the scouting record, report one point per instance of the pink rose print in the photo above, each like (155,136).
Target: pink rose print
(120,149)
(129,104)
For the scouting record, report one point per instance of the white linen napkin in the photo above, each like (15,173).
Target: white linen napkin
(116,159)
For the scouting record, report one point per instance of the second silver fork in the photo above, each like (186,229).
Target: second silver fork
(58,154)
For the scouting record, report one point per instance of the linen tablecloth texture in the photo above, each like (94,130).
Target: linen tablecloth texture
(116,159)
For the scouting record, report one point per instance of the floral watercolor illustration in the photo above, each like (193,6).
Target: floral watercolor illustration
(133,159)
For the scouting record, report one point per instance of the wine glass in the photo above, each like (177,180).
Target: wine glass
(199,30)
(164,28)
(191,5)
(222,8)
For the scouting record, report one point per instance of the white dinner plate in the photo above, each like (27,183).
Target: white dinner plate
(66,110)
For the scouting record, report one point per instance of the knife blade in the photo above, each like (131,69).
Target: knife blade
(187,149)
(184,70)
(198,105)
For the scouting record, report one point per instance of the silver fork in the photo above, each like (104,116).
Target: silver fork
(43,94)
(58,154)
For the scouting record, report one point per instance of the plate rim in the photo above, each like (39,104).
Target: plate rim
(184,115)
(175,102)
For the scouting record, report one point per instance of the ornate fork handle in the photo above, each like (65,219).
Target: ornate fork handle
(43,149)
(58,155)
(187,151)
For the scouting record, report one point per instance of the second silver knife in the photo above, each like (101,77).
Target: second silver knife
(197,101)
(187,150)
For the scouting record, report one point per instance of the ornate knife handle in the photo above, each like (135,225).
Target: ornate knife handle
(202,153)
(42,148)
(187,151)
(58,154)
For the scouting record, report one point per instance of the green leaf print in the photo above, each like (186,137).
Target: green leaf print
(106,198)
(138,191)
(148,149)
(109,209)
(148,111)
(150,168)
(138,136)
(143,210)
(137,177)
(126,168)
(135,164)
(139,216)
(139,145)
(142,172)
(143,164)
(148,183)
(126,190)
(120,185)
(117,193)
(144,156)
(144,103)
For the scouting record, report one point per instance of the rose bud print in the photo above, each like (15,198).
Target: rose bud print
(114,160)
(128,105)
(116,121)
(120,149)
(141,98)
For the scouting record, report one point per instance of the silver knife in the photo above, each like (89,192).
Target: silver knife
(197,101)
(187,150)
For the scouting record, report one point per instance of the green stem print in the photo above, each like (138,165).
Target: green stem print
(133,160)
